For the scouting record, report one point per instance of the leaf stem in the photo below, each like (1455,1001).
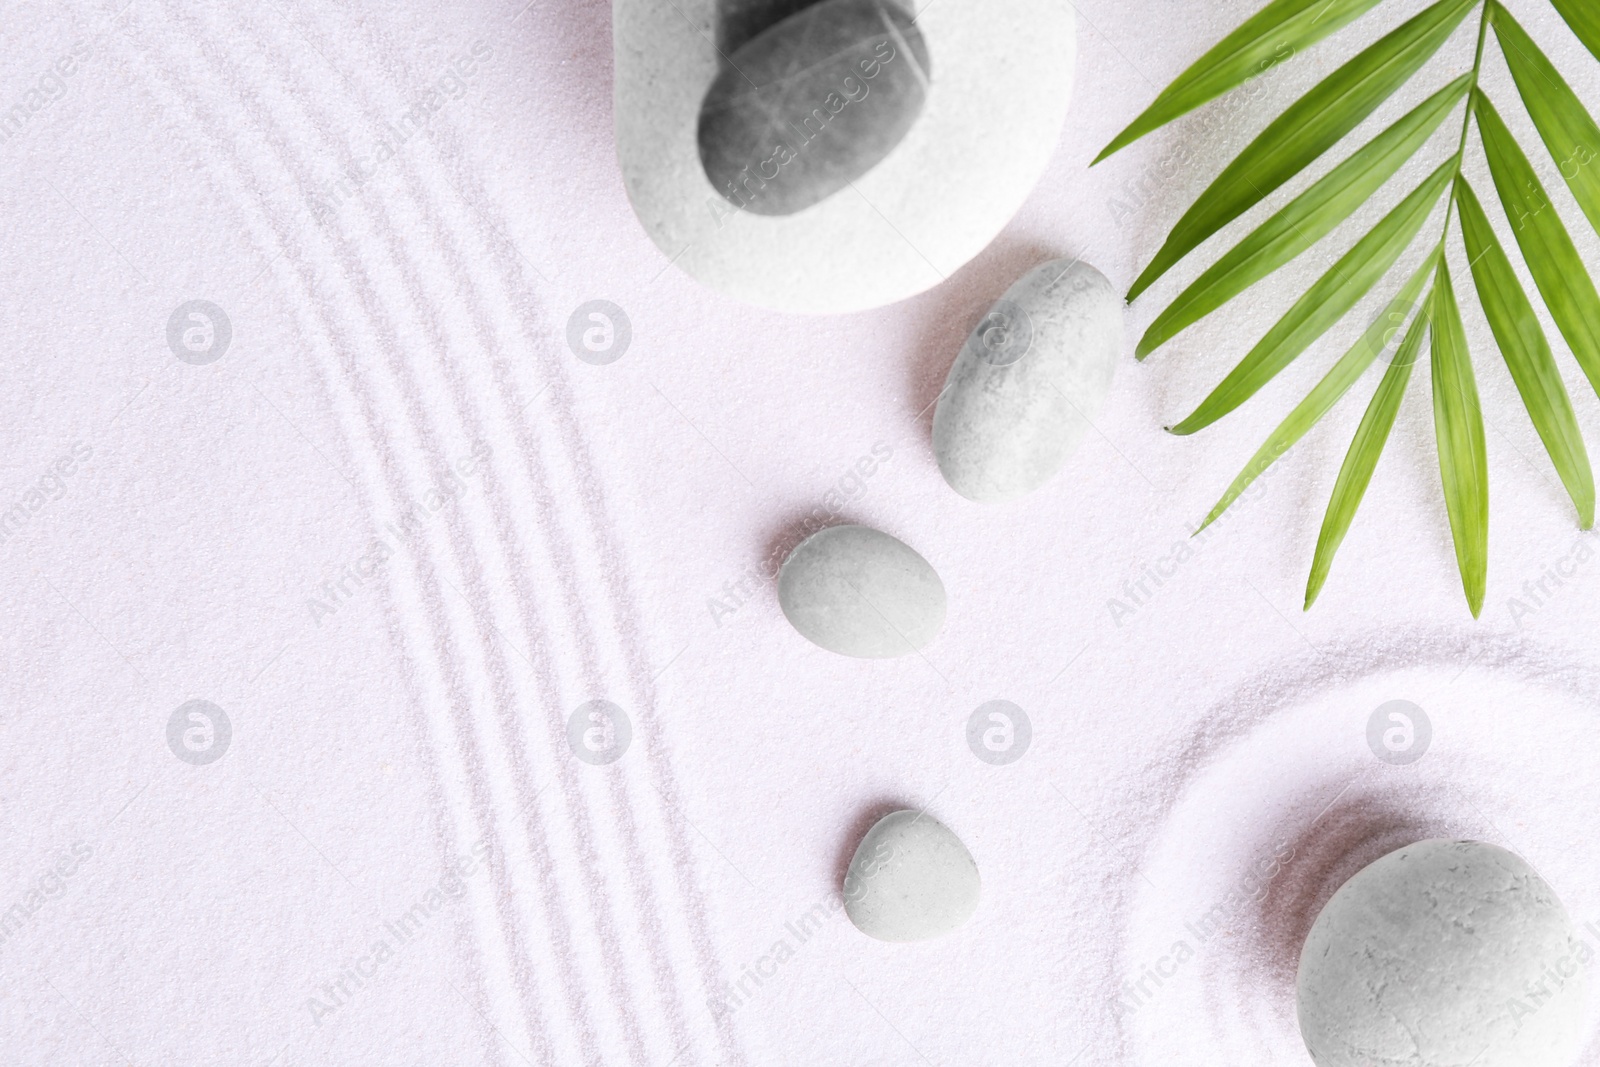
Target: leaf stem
(1466,119)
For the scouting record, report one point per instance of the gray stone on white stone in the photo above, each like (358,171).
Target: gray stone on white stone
(910,879)
(1027,382)
(1003,77)
(812,104)
(859,592)
(1443,954)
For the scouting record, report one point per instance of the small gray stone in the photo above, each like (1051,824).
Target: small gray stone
(910,879)
(812,104)
(1028,380)
(859,592)
(1441,954)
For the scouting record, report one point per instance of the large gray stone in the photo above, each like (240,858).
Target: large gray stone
(1027,382)
(813,103)
(1443,954)
(859,592)
(910,879)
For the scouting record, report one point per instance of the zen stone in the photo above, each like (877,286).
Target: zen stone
(910,879)
(1029,379)
(858,592)
(1441,954)
(813,103)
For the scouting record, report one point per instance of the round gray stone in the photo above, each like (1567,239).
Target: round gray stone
(1443,954)
(813,103)
(910,879)
(1027,382)
(859,592)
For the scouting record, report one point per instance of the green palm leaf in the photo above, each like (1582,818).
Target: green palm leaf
(1311,126)
(1569,131)
(1458,428)
(1527,353)
(1362,459)
(1279,30)
(1584,18)
(1330,390)
(1307,219)
(1546,245)
(1339,290)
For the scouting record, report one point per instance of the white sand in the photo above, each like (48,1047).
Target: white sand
(1172,742)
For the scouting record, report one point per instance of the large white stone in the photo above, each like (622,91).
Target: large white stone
(859,592)
(910,879)
(1443,954)
(1002,80)
(1028,381)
